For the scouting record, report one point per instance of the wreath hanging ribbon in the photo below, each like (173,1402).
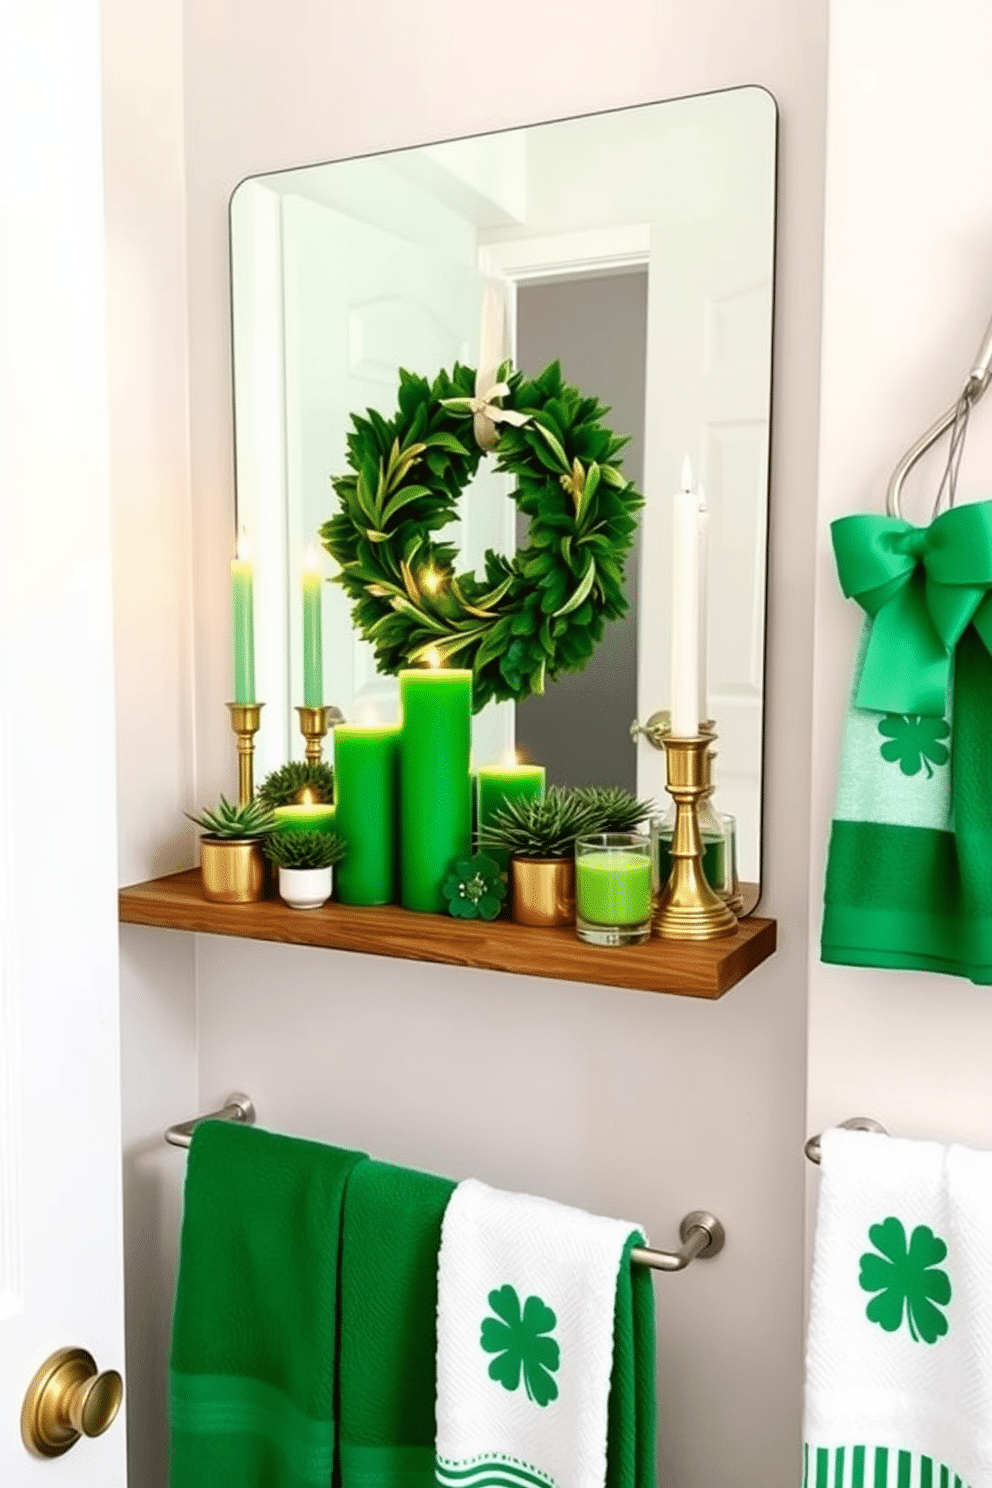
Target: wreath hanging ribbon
(923,586)
(533,616)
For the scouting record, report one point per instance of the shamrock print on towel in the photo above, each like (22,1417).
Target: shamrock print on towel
(906,1278)
(520,1341)
(914,742)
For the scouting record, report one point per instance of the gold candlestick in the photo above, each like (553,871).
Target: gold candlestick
(314,723)
(245,719)
(687,908)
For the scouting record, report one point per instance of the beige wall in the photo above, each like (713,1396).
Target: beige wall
(639,1105)
(907,296)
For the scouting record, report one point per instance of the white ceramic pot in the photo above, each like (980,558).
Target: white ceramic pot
(305,888)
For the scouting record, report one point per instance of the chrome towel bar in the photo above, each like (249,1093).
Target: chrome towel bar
(853,1123)
(701,1233)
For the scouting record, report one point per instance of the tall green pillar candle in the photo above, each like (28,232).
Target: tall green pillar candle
(613,888)
(497,785)
(313,652)
(366,788)
(243,615)
(435,796)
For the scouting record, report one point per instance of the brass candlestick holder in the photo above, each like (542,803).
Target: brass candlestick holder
(687,908)
(245,719)
(314,723)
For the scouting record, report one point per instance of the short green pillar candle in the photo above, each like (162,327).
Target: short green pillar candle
(435,794)
(305,816)
(366,786)
(613,888)
(497,785)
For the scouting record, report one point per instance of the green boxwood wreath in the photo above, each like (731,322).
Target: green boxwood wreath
(535,615)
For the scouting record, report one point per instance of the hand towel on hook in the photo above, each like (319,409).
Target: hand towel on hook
(899,1349)
(545,1347)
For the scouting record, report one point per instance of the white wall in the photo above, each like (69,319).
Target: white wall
(635,1104)
(907,296)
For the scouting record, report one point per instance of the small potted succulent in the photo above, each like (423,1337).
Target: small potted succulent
(232,865)
(299,780)
(539,837)
(305,861)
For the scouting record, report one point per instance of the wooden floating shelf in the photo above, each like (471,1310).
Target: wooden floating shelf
(704,969)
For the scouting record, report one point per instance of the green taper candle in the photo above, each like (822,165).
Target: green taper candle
(366,789)
(499,784)
(243,617)
(435,796)
(313,654)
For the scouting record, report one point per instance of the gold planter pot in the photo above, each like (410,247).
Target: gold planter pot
(233,870)
(543,891)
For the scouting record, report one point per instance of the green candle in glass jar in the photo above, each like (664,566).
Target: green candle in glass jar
(613,888)
(435,793)
(366,788)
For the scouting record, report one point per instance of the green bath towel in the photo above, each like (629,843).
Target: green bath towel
(392,1233)
(632,1412)
(909,872)
(254,1333)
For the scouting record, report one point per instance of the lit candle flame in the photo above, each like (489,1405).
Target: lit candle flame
(687,474)
(368,716)
(242,549)
(511,758)
(433,658)
(311,562)
(306,797)
(431,580)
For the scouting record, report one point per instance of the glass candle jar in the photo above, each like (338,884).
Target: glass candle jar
(718,834)
(613,900)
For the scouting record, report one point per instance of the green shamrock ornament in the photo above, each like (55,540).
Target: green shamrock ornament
(475,889)
(914,742)
(521,1345)
(906,1279)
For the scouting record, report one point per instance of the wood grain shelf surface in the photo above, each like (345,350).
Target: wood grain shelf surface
(707,969)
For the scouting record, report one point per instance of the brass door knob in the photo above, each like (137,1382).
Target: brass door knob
(68,1398)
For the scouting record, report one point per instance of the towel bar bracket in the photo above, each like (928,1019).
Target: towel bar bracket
(238,1107)
(702,1236)
(853,1123)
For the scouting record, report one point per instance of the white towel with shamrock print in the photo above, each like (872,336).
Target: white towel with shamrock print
(526,1293)
(899,1349)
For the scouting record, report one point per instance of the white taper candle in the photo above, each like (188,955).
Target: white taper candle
(685,609)
(704,563)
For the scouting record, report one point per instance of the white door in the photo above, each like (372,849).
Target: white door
(60,1155)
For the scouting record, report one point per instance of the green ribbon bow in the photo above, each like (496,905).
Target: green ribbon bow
(923,587)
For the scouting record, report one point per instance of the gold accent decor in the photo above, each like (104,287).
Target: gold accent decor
(687,908)
(314,723)
(232,870)
(68,1398)
(245,719)
(543,891)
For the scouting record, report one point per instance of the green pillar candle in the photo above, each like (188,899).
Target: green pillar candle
(313,652)
(613,888)
(243,614)
(366,788)
(304,817)
(499,784)
(435,797)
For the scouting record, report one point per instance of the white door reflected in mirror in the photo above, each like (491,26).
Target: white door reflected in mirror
(637,248)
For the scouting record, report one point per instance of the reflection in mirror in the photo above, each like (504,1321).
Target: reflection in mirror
(635,247)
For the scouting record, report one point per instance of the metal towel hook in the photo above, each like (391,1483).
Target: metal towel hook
(978,380)
(853,1123)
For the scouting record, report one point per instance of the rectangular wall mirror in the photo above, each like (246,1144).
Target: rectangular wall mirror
(636,247)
